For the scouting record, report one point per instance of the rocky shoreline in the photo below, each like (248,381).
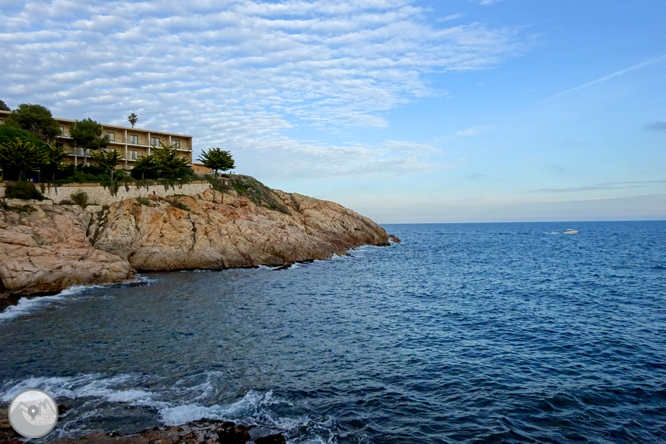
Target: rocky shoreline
(47,248)
(204,431)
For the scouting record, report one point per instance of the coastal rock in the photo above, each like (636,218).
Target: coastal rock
(47,248)
(44,248)
(271,439)
(394,238)
(217,230)
(204,431)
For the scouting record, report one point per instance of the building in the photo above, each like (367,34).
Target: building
(131,143)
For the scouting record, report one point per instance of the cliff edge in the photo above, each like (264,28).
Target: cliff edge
(46,248)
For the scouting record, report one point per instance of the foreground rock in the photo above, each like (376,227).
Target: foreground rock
(202,431)
(48,248)
(45,249)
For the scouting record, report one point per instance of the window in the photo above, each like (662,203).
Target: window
(155,141)
(134,140)
(59,145)
(133,155)
(112,136)
(62,130)
(176,143)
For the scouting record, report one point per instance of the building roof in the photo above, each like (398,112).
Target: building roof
(106,125)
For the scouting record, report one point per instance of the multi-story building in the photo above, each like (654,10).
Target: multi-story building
(131,143)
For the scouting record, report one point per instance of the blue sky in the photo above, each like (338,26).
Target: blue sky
(405,111)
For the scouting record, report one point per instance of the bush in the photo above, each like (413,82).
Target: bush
(144,201)
(80,199)
(23,190)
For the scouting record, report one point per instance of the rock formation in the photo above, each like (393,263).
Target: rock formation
(206,431)
(46,248)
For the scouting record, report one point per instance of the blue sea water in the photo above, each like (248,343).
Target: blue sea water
(473,333)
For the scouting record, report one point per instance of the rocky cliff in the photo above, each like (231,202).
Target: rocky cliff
(46,248)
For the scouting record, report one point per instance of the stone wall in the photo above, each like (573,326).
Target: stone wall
(98,195)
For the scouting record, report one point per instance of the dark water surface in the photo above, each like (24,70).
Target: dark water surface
(462,333)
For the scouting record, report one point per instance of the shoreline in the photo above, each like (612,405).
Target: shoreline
(209,431)
(14,299)
(45,249)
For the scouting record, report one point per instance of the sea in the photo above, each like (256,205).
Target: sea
(462,333)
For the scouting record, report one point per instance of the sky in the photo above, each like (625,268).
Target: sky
(406,111)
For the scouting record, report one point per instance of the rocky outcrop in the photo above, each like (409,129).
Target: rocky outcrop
(44,248)
(221,230)
(206,431)
(49,247)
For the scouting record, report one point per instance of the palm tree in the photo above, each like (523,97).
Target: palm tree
(133,118)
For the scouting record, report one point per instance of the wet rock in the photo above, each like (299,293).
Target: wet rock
(394,238)
(231,433)
(278,438)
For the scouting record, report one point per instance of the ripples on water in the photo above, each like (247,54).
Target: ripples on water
(462,333)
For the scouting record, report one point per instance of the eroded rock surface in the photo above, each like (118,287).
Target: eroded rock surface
(46,248)
(221,230)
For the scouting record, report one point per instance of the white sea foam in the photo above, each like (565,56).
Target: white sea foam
(29,305)
(26,306)
(181,414)
(84,386)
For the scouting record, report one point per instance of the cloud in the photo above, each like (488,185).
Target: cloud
(474,131)
(621,72)
(656,126)
(238,73)
(486,2)
(602,186)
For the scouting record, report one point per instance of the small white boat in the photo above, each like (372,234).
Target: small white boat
(570,231)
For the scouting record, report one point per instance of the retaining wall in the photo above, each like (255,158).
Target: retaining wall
(98,195)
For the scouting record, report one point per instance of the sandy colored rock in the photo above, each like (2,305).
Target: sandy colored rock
(215,230)
(44,248)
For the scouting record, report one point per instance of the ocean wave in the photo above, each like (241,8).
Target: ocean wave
(27,305)
(82,386)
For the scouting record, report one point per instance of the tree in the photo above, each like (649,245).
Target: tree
(53,159)
(133,118)
(145,167)
(10,134)
(107,159)
(170,165)
(21,156)
(3,106)
(87,134)
(36,119)
(217,159)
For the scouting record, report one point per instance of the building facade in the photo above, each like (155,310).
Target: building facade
(130,143)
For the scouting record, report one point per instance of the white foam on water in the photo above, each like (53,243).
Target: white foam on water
(29,305)
(181,414)
(266,267)
(82,386)
(26,306)
(255,407)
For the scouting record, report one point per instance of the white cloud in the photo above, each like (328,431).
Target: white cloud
(237,73)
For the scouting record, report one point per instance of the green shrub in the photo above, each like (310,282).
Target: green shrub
(144,201)
(80,199)
(23,190)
